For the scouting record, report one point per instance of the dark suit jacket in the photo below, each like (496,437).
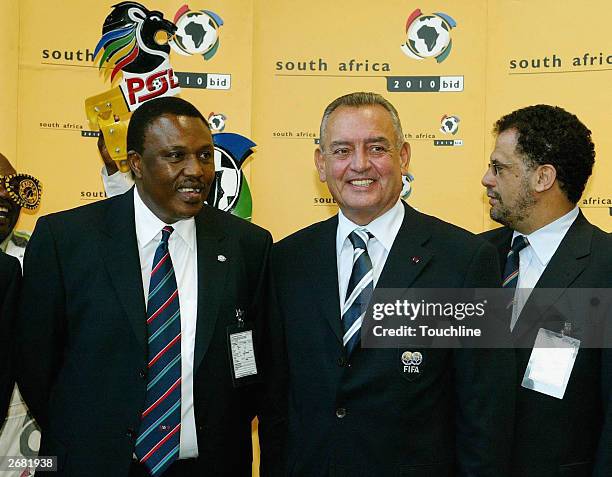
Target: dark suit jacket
(10,279)
(363,416)
(570,436)
(82,335)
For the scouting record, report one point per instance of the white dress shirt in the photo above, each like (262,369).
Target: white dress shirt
(183,252)
(117,183)
(383,228)
(533,259)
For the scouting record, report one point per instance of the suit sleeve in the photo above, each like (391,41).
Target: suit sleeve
(10,281)
(272,399)
(485,390)
(39,325)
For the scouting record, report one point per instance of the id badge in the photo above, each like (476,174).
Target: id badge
(241,351)
(551,363)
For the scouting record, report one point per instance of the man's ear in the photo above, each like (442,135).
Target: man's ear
(319,161)
(135,162)
(545,177)
(404,158)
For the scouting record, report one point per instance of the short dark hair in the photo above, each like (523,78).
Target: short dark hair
(150,111)
(551,135)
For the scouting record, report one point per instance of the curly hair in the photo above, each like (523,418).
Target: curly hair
(551,135)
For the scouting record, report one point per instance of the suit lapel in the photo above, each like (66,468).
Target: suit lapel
(568,262)
(323,266)
(214,260)
(502,242)
(120,254)
(407,257)
(406,260)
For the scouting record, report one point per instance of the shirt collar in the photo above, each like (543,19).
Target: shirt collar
(149,226)
(383,228)
(546,240)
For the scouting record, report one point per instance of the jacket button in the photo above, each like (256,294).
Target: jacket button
(340,412)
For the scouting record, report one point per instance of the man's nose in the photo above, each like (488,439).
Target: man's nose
(4,194)
(361,160)
(194,166)
(488,180)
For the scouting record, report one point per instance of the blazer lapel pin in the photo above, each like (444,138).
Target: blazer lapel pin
(221,258)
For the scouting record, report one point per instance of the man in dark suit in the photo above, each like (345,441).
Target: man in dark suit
(361,411)
(542,160)
(136,349)
(10,279)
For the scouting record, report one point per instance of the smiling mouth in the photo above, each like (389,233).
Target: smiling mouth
(4,213)
(361,182)
(191,194)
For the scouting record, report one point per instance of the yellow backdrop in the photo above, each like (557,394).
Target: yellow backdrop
(287,61)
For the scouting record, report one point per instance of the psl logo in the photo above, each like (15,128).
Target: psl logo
(230,191)
(197,32)
(428,36)
(135,41)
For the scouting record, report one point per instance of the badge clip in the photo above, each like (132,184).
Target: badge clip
(240,317)
(567,329)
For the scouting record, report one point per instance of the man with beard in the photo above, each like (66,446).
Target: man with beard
(542,160)
(12,242)
(146,313)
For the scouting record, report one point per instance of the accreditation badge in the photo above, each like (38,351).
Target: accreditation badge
(241,351)
(551,363)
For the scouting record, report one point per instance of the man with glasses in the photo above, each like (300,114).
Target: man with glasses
(541,162)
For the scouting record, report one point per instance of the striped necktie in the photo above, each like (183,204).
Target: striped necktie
(359,290)
(511,270)
(157,445)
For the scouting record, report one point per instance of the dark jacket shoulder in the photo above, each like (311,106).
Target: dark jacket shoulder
(9,263)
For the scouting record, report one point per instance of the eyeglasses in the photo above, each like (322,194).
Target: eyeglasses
(497,167)
(24,189)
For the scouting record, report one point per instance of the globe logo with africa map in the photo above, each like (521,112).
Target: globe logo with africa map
(428,36)
(197,32)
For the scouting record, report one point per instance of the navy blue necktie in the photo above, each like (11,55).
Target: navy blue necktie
(511,269)
(359,290)
(157,445)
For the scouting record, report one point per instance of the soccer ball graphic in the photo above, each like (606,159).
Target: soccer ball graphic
(449,124)
(197,33)
(428,36)
(217,122)
(406,186)
(228,180)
